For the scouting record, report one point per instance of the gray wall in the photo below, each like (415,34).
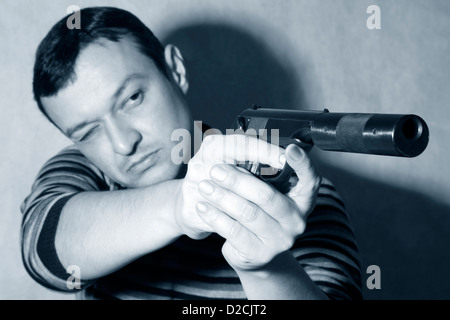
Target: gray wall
(285,54)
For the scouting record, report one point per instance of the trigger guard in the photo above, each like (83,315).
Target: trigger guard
(281,176)
(280,181)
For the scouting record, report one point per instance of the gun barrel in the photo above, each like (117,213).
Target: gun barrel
(382,134)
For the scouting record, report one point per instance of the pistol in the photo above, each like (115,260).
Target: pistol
(400,135)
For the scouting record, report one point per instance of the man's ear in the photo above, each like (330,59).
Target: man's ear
(176,68)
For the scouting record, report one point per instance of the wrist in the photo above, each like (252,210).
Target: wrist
(278,264)
(282,278)
(172,188)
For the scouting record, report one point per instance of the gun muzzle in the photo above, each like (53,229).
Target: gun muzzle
(383,134)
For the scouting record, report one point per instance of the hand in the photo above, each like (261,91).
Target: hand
(257,221)
(217,149)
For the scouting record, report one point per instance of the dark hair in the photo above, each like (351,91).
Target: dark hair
(58,51)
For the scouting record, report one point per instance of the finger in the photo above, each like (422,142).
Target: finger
(230,229)
(303,166)
(309,178)
(234,148)
(247,213)
(252,189)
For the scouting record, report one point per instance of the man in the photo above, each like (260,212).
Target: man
(140,226)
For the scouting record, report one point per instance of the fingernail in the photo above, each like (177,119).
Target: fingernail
(201,208)
(206,187)
(296,153)
(218,173)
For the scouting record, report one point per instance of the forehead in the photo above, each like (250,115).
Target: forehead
(105,58)
(100,70)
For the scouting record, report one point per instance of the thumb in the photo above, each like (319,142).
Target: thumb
(307,173)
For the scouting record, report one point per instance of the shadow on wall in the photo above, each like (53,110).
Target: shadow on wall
(401,231)
(404,232)
(228,71)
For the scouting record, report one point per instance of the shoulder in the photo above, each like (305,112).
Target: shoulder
(66,173)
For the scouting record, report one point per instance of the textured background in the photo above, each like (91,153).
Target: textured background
(295,54)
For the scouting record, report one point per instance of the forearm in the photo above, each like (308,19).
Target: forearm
(282,279)
(102,231)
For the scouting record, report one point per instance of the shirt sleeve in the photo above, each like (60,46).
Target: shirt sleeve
(328,250)
(62,177)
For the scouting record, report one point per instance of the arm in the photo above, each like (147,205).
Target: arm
(74,217)
(102,231)
(281,279)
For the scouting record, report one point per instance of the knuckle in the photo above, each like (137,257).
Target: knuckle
(286,243)
(289,243)
(233,181)
(249,212)
(266,195)
(268,255)
(299,228)
(234,229)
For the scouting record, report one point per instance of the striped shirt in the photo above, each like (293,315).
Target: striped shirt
(186,268)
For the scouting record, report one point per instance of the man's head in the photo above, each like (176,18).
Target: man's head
(116,92)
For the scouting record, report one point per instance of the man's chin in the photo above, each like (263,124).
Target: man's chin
(154,176)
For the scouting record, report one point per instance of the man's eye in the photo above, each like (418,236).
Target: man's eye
(88,135)
(135,99)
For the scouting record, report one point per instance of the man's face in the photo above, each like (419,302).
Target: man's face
(120,111)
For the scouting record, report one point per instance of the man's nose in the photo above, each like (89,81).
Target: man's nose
(124,138)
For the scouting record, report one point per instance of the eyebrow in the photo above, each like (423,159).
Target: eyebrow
(115,96)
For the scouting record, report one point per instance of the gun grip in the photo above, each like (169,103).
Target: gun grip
(278,178)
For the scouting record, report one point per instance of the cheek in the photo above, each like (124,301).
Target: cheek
(101,157)
(171,108)
(159,127)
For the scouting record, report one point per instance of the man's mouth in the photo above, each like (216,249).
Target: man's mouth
(143,163)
